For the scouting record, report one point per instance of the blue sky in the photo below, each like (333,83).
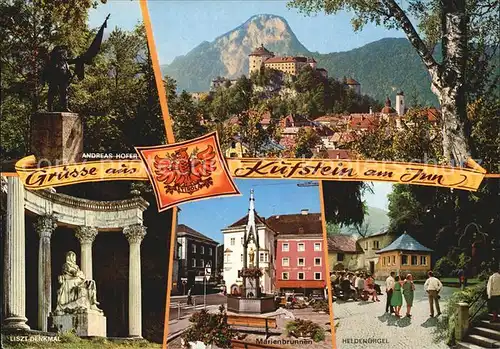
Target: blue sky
(271,197)
(179,26)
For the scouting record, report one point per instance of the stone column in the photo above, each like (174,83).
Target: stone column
(462,324)
(14,262)
(86,235)
(134,234)
(44,226)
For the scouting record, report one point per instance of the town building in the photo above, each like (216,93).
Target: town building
(195,252)
(370,245)
(344,252)
(353,85)
(233,251)
(238,148)
(300,264)
(405,255)
(261,57)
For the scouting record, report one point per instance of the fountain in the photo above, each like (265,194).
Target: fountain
(252,300)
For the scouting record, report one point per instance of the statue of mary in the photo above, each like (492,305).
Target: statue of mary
(76,293)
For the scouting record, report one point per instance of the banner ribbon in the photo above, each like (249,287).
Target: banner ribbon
(467,178)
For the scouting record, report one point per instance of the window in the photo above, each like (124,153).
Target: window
(210,251)
(241,257)
(226,258)
(285,262)
(340,257)
(233,155)
(193,262)
(301,247)
(404,260)
(266,257)
(285,247)
(193,248)
(300,276)
(383,261)
(317,276)
(393,260)
(261,257)
(284,276)
(301,262)
(233,241)
(375,244)
(366,245)
(233,145)
(317,246)
(202,263)
(317,261)
(414,260)
(242,240)
(423,260)
(202,249)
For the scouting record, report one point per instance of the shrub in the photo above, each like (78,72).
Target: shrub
(444,267)
(321,305)
(463,260)
(210,329)
(445,330)
(69,337)
(305,328)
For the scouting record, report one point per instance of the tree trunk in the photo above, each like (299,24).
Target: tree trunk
(449,84)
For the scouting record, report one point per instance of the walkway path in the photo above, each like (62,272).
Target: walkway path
(368,320)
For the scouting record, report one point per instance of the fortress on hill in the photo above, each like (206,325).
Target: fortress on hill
(262,57)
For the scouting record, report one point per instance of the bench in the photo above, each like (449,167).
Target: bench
(252,321)
(237,344)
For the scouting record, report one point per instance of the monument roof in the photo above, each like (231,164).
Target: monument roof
(405,243)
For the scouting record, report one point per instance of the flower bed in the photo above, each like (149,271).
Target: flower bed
(305,328)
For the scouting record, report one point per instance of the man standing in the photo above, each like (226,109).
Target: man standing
(189,299)
(493,291)
(389,289)
(433,286)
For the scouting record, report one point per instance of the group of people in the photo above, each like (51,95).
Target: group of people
(398,287)
(359,282)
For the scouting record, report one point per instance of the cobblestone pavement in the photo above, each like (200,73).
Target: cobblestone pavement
(368,320)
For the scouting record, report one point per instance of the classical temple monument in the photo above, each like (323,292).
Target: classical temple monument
(77,296)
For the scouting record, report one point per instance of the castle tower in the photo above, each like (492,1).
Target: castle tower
(257,58)
(400,103)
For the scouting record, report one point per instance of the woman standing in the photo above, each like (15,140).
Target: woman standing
(397,296)
(408,293)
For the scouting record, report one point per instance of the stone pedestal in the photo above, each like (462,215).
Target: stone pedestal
(57,137)
(90,324)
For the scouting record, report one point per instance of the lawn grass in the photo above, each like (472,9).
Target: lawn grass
(71,341)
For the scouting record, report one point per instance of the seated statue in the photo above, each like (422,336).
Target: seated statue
(75,294)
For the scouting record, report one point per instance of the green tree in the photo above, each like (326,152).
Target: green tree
(186,119)
(307,140)
(29,30)
(465,29)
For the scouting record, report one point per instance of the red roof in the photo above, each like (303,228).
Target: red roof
(343,137)
(343,243)
(261,51)
(351,81)
(339,154)
(243,221)
(296,224)
(285,60)
(363,121)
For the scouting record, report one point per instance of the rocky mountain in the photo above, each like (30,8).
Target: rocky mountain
(383,67)
(228,54)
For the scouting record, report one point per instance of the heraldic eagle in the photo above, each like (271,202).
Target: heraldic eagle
(183,170)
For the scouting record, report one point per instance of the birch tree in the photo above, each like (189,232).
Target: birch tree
(465,28)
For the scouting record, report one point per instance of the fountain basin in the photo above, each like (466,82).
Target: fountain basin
(243,305)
